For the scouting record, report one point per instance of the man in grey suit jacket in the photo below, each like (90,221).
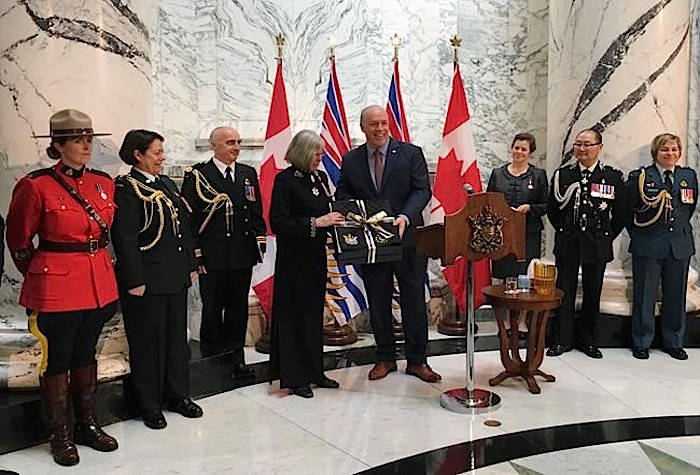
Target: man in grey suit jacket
(383,168)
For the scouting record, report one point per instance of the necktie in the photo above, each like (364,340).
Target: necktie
(378,168)
(667,180)
(228,176)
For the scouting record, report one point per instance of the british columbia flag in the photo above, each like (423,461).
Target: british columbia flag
(398,126)
(345,294)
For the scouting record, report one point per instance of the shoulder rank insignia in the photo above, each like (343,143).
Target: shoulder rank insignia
(188,169)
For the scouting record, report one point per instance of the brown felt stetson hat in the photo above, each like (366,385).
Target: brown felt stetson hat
(70,123)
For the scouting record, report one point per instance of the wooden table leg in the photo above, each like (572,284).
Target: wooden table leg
(547,377)
(502,376)
(541,325)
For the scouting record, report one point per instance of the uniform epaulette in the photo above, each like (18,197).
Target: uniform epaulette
(39,172)
(611,168)
(188,170)
(99,172)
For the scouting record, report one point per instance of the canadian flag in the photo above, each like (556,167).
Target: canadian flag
(456,167)
(277,139)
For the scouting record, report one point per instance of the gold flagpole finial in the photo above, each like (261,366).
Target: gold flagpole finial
(396,42)
(331,41)
(456,42)
(279,41)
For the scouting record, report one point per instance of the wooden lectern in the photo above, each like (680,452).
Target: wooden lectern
(485,227)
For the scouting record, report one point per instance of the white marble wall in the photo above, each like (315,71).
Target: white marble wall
(214,64)
(55,54)
(621,65)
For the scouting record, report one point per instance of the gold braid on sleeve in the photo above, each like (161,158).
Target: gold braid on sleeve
(213,199)
(154,200)
(662,201)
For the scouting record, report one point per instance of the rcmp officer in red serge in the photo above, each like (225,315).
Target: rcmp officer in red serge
(587,209)
(69,286)
(229,231)
(663,197)
(155,267)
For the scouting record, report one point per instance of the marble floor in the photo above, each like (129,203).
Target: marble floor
(260,429)
(667,456)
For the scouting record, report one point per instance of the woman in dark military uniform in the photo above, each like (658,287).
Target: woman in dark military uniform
(663,196)
(525,188)
(299,217)
(69,288)
(155,267)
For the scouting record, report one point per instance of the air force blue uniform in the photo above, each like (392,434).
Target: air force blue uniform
(661,247)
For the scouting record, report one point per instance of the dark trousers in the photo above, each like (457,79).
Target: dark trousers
(225,310)
(646,274)
(156,328)
(68,339)
(567,280)
(379,283)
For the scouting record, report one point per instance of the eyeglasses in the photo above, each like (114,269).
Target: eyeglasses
(585,145)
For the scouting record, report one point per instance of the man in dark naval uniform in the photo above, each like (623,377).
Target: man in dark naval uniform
(587,209)
(229,231)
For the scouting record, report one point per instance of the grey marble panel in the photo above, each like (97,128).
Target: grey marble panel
(230,49)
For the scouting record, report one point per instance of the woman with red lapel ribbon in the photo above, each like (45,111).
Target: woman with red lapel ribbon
(69,288)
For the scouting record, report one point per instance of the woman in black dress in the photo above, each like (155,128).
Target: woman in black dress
(525,187)
(299,217)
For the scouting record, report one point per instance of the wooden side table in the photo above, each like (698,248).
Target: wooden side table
(537,309)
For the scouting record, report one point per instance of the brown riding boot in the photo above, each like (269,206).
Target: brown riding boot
(54,392)
(83,384)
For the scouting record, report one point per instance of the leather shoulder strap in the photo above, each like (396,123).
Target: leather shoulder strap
(82,201)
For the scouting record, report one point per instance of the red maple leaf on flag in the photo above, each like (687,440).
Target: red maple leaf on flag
(449,170)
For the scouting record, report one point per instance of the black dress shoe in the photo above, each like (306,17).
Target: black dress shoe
(557,350)
(185,407)
(303,391)
(677,353)
(591,351)
(326,382)
(154,419)
(242,371)
(640,353)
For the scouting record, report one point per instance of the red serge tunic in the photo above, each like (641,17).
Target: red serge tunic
(61,281)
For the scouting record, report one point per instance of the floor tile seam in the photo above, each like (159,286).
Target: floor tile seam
(606,391)
(307,431)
